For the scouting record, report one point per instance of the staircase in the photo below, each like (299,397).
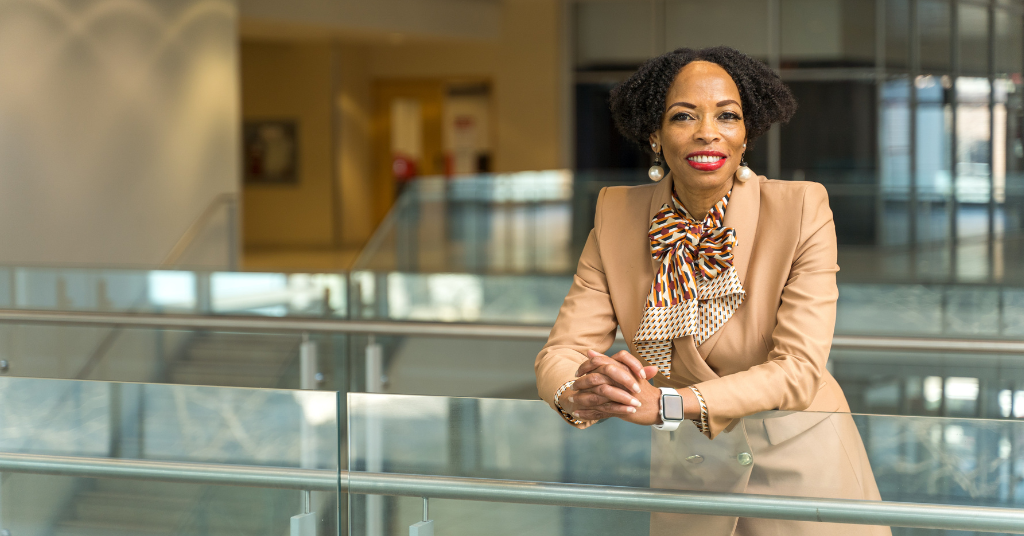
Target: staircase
(234,360)
(108,507)
(142,508)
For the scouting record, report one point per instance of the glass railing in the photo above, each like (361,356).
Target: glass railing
(79,457)
(173,291)
(949,350)
(919,310)
(538,222)
(543,476)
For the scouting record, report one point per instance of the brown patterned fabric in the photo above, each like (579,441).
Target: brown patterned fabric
(696,289)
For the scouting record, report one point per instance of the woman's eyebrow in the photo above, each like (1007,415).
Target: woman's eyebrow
(694,107)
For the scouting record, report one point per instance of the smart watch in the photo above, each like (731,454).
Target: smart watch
(671,410)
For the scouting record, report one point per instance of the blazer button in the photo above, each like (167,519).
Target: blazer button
(745,458)
(695,459)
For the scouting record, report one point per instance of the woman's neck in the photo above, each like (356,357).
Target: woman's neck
(699,202)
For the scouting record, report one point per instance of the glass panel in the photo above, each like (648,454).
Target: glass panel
(973,22)
(747,22)
(929,310)
(827,33)
(973,171)
(934,135)
(894,143)
(1008,157)
(934,29)
(897,33)
(1009,45)
(203,357)
(513,223)
(171,291)
(234,427)
(941,461)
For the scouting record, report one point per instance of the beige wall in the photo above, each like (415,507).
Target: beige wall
(522,61)
(291,81)
(524,64)
(354,153)
(466,19)
(118,129)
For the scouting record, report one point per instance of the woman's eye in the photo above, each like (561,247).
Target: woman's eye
(730,115)
(681,116)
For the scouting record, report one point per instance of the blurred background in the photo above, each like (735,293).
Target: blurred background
(391,197)
(439,161)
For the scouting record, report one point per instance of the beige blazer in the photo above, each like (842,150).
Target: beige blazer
(769,356)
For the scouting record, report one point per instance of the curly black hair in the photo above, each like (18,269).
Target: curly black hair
(639,103)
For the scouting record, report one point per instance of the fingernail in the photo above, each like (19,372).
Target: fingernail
(635,402)
(570,400)
(576,414)
(636,387)
(632,410)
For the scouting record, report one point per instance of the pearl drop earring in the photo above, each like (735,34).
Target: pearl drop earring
(743,173)
(656,173)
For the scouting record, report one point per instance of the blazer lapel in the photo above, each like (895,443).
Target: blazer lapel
(662,196)
(741,214)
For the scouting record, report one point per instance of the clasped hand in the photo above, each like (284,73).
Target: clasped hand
(613,386)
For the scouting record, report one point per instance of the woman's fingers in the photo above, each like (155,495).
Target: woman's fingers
(616,394)
(650,371)
(621,375)
(614,371)
(587,366)
(604,394)
(603,412)
(634,364)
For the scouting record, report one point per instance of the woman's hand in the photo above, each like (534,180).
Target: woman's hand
(614,386)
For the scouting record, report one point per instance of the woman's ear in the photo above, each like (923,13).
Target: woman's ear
(655,142)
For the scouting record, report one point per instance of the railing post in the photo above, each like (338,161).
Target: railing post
(425,527)
(308,363)
(374,366)
(374,436)
(232,231)
(305,523)
(3,531)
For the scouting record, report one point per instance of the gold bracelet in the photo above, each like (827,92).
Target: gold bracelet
(702,425)
(565,415)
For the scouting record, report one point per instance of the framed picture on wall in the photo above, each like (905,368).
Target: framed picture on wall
(271,152)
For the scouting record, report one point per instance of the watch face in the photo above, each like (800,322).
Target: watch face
(672,407)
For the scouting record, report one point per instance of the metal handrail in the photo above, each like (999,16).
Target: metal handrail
(440,329)
(197,226)
(194,473)
(945,517)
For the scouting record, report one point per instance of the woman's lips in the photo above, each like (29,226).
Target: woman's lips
(706,160)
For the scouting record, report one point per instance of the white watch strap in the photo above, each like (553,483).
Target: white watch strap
(667,425)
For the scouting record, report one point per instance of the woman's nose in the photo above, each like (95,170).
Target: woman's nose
(707,132)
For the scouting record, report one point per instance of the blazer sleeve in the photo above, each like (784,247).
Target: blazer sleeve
(585,321)
(790,377)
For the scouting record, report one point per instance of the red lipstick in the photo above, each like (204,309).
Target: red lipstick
(706,160)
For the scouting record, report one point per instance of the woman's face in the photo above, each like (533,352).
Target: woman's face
(702,132)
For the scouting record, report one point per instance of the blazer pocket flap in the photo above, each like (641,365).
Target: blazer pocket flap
(786,427)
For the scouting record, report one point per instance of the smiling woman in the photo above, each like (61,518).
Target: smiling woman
(724,285)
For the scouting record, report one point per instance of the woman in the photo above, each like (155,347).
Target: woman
(723,283)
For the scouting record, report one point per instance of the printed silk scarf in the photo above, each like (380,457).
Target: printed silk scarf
(696,289)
